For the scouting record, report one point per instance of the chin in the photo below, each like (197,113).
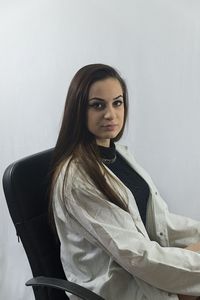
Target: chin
(111,136)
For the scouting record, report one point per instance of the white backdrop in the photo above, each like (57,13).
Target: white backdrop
(156,46)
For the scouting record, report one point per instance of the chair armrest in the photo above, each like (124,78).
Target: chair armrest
(64,285)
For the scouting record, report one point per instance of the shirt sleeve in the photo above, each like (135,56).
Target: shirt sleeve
(182,231)
(170,269)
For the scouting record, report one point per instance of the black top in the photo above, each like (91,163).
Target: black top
(136,184)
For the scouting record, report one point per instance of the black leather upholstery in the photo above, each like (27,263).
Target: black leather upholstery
(25,185)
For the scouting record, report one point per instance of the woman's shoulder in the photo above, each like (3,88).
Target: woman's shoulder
(121,147)
(124,151)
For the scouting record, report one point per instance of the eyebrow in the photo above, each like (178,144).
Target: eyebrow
(100,99)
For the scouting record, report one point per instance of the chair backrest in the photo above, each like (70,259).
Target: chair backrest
(25,184)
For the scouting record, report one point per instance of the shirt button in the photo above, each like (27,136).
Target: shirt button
(161,233)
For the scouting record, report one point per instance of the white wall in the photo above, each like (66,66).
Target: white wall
(156,46)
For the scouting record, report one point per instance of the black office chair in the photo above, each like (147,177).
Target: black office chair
(25,184)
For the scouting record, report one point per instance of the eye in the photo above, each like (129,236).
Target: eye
(117,103)
(97,105)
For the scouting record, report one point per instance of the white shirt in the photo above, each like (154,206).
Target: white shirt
(109,251)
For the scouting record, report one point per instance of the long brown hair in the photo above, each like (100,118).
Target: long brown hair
(75,141)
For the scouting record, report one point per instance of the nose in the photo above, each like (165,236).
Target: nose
(109,113)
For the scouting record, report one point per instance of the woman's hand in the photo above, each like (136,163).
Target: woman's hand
(184,297)
(194,247)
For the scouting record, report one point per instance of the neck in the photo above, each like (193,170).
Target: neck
(107,154)
(104,143)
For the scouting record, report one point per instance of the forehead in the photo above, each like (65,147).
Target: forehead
(107,88)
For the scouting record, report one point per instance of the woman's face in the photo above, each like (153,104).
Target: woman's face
(105,115)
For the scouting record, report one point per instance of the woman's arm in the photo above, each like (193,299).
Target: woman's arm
(195,248)
(167,268)
(182,231)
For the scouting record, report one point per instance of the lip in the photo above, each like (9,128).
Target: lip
(110,127)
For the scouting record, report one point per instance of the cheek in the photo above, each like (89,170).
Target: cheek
(121,115)
(92,119)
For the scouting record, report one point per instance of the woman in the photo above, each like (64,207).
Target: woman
(117,236)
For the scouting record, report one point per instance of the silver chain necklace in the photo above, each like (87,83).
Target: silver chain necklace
(109,160)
